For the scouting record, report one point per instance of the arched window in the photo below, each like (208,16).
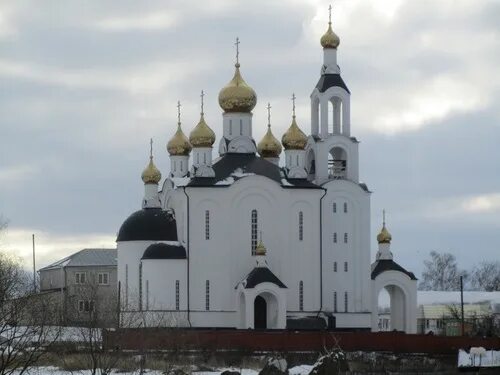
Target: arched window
(140,286)
(254,230)
(346,302)
(204,158)
(345,207)
(345,237)
(197,158)
(147,294)
(334,301)
(181,166)
(301,226)
(334,266)
(207,295)
(126,285)
(207,225)
(346,267)
(177,295)
(335,237)
(297,160)
(334,207)
(301,296)
(230,127)
(241,127)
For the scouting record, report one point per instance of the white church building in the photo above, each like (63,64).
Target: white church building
(243,241)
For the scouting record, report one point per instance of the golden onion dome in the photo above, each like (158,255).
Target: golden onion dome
(179,143)
(269,146)
(237,95)
(260,249)
(294,138)
(151,174)
(330,39)
(384,236)
(202,135)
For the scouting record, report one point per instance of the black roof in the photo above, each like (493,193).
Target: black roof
(164,251)
(383,265)
(331,80)
(149,224)
(262,275)
(233,166)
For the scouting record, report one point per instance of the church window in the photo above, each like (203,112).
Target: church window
(346,267)
(345,237)
(207,225)
(147,294)
(175,166)
(254,224)
(334,207)
(126,285)
(241,127)
(346,302)
(301,226)
(207,295)
(297,160)
(181,166)
(230,127)
(177,295)
(334,301)
(204,158)
(345,207)
(197,158)
(140,286)
(301,296)
(334,266)
(335,237)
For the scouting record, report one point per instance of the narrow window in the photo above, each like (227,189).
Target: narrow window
(297,160)
(346,302)
(301,296)
(207,225)
(147,294)
(126,285)
(254,224)
(140,286)
(345,207)
(334,301)
(177,295)
(334,266)
(207,295)
(335,237)
(345,237)
(301,226)
(241,127)
(197,158)
(175,166)
(230,127)
(81,306)
(345,267)
(204,158)
(334,207)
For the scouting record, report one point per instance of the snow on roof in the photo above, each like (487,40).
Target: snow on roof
(447,298)
(86,257)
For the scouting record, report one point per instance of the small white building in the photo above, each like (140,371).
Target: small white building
(194,255)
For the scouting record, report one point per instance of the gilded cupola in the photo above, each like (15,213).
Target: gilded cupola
(179,144)
(237,95)
(260,249)
(269,146)
(330,39)
(202,135)
(294,138)
(384,236)
(151,174)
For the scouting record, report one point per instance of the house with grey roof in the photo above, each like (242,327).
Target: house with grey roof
(84,285)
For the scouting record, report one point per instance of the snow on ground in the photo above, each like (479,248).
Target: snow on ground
(491,358)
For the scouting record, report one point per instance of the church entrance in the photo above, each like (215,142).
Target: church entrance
(260,313)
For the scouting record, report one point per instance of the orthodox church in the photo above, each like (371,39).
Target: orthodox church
(244,242)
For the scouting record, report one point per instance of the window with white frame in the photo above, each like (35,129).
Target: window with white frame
(301,296)
(345,237)
(103,278)
(346,302)
(345,267)
(254,230)
(85,305)
(301,226)
(80,277)
(177,295)
(207,295)
(207,225)
(334,301)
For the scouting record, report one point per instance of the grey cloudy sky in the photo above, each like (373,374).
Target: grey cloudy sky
(85,84)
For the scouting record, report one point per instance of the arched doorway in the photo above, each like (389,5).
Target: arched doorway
(393,316)
(260,313)
(337,163)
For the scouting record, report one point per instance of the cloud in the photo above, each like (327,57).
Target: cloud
(484,207)
(145,22)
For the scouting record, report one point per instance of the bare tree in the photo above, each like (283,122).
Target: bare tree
(486,276)
(441,272)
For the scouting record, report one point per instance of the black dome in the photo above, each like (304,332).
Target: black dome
(164,251)
(149,224)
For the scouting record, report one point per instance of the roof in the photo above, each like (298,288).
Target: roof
(383,265)
(261,275)
(148,224)
(162,250)
(233,166)
(449,310)
(86,258)
(331,80)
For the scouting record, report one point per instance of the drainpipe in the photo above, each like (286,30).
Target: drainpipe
(188,257)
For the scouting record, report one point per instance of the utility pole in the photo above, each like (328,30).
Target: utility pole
(462,303)
(34,265)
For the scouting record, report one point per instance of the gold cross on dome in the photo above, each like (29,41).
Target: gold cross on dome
(202,95)
(330,14)
(178,111)
(268,114)
(151,148)
(383,217)
(237,44)
(293,103)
